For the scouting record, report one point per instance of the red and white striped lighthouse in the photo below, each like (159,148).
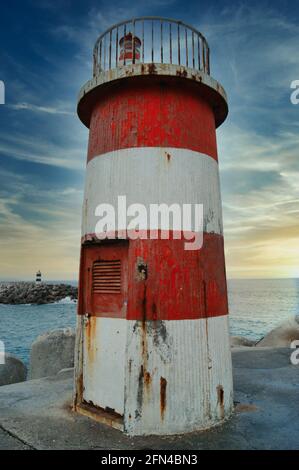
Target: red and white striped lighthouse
(152,349)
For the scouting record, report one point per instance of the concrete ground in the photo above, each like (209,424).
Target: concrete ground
(37,415)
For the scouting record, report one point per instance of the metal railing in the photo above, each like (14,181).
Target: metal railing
(158,40)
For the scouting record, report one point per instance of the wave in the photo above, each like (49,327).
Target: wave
(66,300)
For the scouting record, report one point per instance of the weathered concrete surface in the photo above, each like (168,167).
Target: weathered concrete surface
(52,352)
(239,341)
(283,335)
(13,371)
(10,442)
(37,413)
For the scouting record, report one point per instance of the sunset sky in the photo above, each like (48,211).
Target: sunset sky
(45,58)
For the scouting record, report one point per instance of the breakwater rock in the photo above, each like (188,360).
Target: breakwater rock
(52,352)
(30,293)
(283,335)
(12,370)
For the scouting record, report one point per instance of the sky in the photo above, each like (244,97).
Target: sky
(45,58)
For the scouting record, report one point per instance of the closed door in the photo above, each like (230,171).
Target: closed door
(104,338)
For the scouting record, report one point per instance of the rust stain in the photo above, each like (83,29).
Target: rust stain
(245,407)
(168,156)
(68,406)
(139,393)
(163,385)
(79,389)
(141,270)
(143,326)
(106,416)
(151,69)
(220,400)
(147,379)
(80,386)
(90,334)
(181,73)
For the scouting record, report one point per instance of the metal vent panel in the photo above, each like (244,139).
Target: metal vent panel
(106,277)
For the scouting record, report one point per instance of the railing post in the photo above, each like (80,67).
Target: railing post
(179,45)
(193,58)
(116,48)
(188,40)
(110,41)
(170,44)
(152,41)
(203,58)
(161,42)
(95,61)
(100,65)
(125,33)
(186,45)
(198,50)
(133,43)
(143,41)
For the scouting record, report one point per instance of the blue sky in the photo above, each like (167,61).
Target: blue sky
(44,60)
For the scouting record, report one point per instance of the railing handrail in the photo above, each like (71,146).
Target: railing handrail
(202,44)
(154,18)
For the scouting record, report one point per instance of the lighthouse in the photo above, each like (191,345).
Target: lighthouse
(38,278)
(152,342)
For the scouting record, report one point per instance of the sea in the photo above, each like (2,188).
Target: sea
(256,307)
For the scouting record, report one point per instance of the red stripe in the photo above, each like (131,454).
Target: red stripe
(180,284)
(152,114)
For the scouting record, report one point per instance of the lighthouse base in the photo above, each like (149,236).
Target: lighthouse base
(173,377)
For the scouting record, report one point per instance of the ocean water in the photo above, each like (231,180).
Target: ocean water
(256,307)
(259,305)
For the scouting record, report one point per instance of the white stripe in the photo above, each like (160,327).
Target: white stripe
(153,175)
(192,356)
(104,344)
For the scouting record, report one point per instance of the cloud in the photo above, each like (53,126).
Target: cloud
(253,54)
(39,230)
(39,109)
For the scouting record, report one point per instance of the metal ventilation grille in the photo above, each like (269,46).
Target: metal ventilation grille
(106,277)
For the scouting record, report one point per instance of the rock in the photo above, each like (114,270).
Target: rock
(52,352)
(29,293)
(283,335)
(239,341)
(13,371)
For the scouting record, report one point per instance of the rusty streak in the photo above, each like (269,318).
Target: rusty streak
(220,401)
(147,379)
(163,385)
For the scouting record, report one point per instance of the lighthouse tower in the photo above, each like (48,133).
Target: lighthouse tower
(152,345)
(38,278)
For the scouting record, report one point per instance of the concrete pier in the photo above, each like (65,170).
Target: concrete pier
(37,414)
